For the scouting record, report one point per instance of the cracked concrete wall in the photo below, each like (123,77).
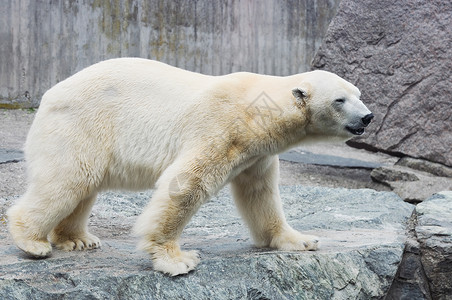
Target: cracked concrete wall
(43,42)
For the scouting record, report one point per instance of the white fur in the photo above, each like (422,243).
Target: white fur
(139,124)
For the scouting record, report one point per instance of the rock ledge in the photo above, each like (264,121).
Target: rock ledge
(362,240)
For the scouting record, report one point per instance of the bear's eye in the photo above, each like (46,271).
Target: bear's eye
(340,100)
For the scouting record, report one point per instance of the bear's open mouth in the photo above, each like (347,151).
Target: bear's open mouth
(355,131)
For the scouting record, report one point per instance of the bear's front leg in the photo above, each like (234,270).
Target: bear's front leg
(256,195)
(176,199)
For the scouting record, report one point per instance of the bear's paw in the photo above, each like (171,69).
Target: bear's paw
(292,240)
(37,249)
(182,263)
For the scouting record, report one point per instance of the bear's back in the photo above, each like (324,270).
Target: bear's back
(124,79)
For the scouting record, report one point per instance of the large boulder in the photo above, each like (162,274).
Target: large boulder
(434,233)
(399,53)
(362,235)
(411,185)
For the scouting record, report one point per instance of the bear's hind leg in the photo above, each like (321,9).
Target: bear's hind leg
(32,218)
(72,232)
(33,241)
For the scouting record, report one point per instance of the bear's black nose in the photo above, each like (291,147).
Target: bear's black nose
(367,118)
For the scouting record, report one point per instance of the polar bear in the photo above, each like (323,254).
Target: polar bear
(133,123)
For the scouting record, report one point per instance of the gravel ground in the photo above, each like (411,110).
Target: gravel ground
(12,179)
(14,125)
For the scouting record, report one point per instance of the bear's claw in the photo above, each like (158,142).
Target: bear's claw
(85,242)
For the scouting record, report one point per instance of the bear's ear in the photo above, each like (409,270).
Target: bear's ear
(300,95)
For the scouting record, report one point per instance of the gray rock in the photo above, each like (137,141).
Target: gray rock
(10,155)
(299,156)
(426,166)
(362,236)
(385,174)
(399,53)
(411,185)
(434,233)
(410,282)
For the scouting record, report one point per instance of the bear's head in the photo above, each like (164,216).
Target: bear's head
(332,105)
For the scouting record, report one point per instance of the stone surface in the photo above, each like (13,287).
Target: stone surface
(411,185)
(362,235)
(14,126)
(385,174)
(300,156)
(426,166)
(10,155)
(410,282)
(12,179)
(434,233)
(399,53)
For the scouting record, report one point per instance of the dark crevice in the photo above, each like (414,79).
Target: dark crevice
(402,140)
(410,281)
(361,145)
